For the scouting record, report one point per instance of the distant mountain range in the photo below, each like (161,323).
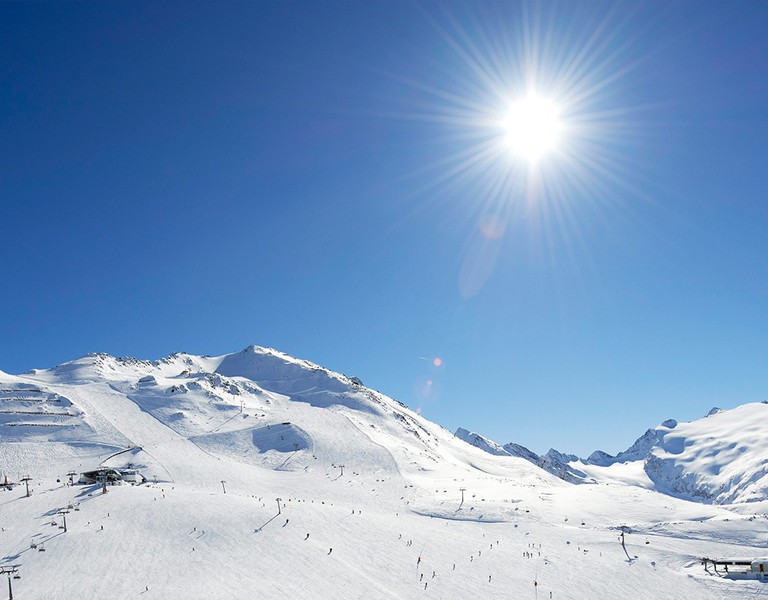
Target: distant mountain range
(721,458)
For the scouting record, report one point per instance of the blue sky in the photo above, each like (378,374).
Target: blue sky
(313,177)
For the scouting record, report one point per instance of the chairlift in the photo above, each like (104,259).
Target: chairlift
(41,549)
(17,576)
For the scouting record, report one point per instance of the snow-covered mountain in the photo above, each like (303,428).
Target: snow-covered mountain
(268,476)
(560,465)
(291,412)
(720,458)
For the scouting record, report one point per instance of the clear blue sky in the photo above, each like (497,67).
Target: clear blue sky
(202,176)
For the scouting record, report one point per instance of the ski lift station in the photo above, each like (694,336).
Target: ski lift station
(111,476)
(740,568)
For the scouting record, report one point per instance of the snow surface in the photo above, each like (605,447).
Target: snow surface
(366,488)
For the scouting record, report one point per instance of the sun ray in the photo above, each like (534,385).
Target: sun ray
(563,154)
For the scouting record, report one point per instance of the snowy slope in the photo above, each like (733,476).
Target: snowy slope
(273,477)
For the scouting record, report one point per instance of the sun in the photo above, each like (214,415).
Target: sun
(532,127)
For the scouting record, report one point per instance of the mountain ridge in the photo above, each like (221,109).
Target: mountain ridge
(683,459)
(270,371)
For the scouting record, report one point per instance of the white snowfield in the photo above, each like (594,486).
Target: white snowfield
(271,477)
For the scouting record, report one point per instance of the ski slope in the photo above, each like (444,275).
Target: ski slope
(374,500)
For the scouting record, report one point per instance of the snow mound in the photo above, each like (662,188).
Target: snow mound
(281,446)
